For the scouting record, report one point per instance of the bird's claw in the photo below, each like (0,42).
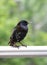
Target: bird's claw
(16,46)
(24,45)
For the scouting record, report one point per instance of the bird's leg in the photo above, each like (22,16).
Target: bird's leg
(23,44)
(15,45)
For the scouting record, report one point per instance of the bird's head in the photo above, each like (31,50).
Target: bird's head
(23,22)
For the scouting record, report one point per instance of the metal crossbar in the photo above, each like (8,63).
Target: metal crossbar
(29,51)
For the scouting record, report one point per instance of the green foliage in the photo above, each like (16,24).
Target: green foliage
(35,11)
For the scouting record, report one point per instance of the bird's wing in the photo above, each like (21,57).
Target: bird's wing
(15,29)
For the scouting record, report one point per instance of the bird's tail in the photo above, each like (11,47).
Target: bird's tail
(11,43)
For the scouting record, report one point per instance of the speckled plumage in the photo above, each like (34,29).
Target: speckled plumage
(19,33)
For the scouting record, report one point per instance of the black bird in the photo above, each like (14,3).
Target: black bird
(19,33)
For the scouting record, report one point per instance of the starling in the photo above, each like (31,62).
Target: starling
(19,33)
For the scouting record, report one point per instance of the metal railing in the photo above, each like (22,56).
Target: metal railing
(29,51)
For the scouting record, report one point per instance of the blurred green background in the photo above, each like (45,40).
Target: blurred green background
(35,11)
